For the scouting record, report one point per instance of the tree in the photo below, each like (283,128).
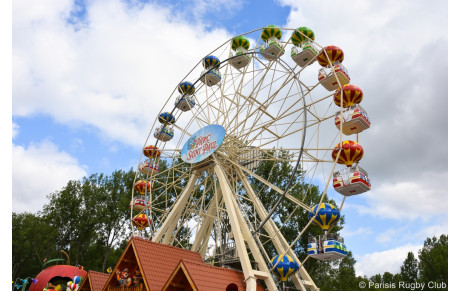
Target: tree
(377,279)
(322,273)
(397,279)
(91,217)
(433,260)
(33,240)
(346,277)
(409,269)
(111,195)
(71,213)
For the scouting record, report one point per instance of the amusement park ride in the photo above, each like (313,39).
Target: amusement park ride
(250,104)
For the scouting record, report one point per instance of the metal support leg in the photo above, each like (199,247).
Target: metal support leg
(202,237)
(170,223)
(300,279)
(250,278)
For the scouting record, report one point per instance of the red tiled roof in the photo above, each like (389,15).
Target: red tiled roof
(97,280)
(158,261)
(210,278)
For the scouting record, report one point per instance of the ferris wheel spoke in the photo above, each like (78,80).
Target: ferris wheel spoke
(173,185)
(239,79)
(247,104)
(204,232)
(168,154)
(293,132)
(267,183)
(266,127)
(261,106)
(270,227)
(181,129)
(166,230)
(211,113)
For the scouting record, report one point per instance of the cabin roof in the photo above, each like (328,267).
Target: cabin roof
(94,281)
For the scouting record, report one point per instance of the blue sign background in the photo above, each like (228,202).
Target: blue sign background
(203,143)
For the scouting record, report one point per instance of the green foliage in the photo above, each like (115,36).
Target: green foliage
(111,195)
(430,268)
(388,277)
(335,275)
(433,260)
(33,240)
(88,219)
(346,277)
(70,213)
(409,269)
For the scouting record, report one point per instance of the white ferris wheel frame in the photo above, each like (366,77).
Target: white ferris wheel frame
(218,164)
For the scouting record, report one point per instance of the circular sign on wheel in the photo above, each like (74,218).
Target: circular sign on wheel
(203,143)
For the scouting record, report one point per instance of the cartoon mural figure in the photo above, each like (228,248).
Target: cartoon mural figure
(123,277)
(138,277)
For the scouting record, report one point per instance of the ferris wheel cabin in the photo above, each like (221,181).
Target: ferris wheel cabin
(185,103)
(211,75)
(351,181)
(328,79)
(354,120)
(210,78)
(149,168)
(333,248)
(306,56)
(272,49)
(164,133)
(240,59)
(139,204)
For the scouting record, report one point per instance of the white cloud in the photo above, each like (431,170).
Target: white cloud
(385,261)
(347,232)
(410,233)
(39,170)
(408,237)
(114,72)
(199,8)
(390,234)
(390,58)
(432,230)
(370,28)
(421,198)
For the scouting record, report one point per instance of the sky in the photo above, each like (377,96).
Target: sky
(87,77)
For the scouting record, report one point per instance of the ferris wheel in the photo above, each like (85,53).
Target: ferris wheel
(208,177)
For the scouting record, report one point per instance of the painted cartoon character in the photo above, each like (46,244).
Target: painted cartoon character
(126,280)
(119,280)
(137,277)
(191,144)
